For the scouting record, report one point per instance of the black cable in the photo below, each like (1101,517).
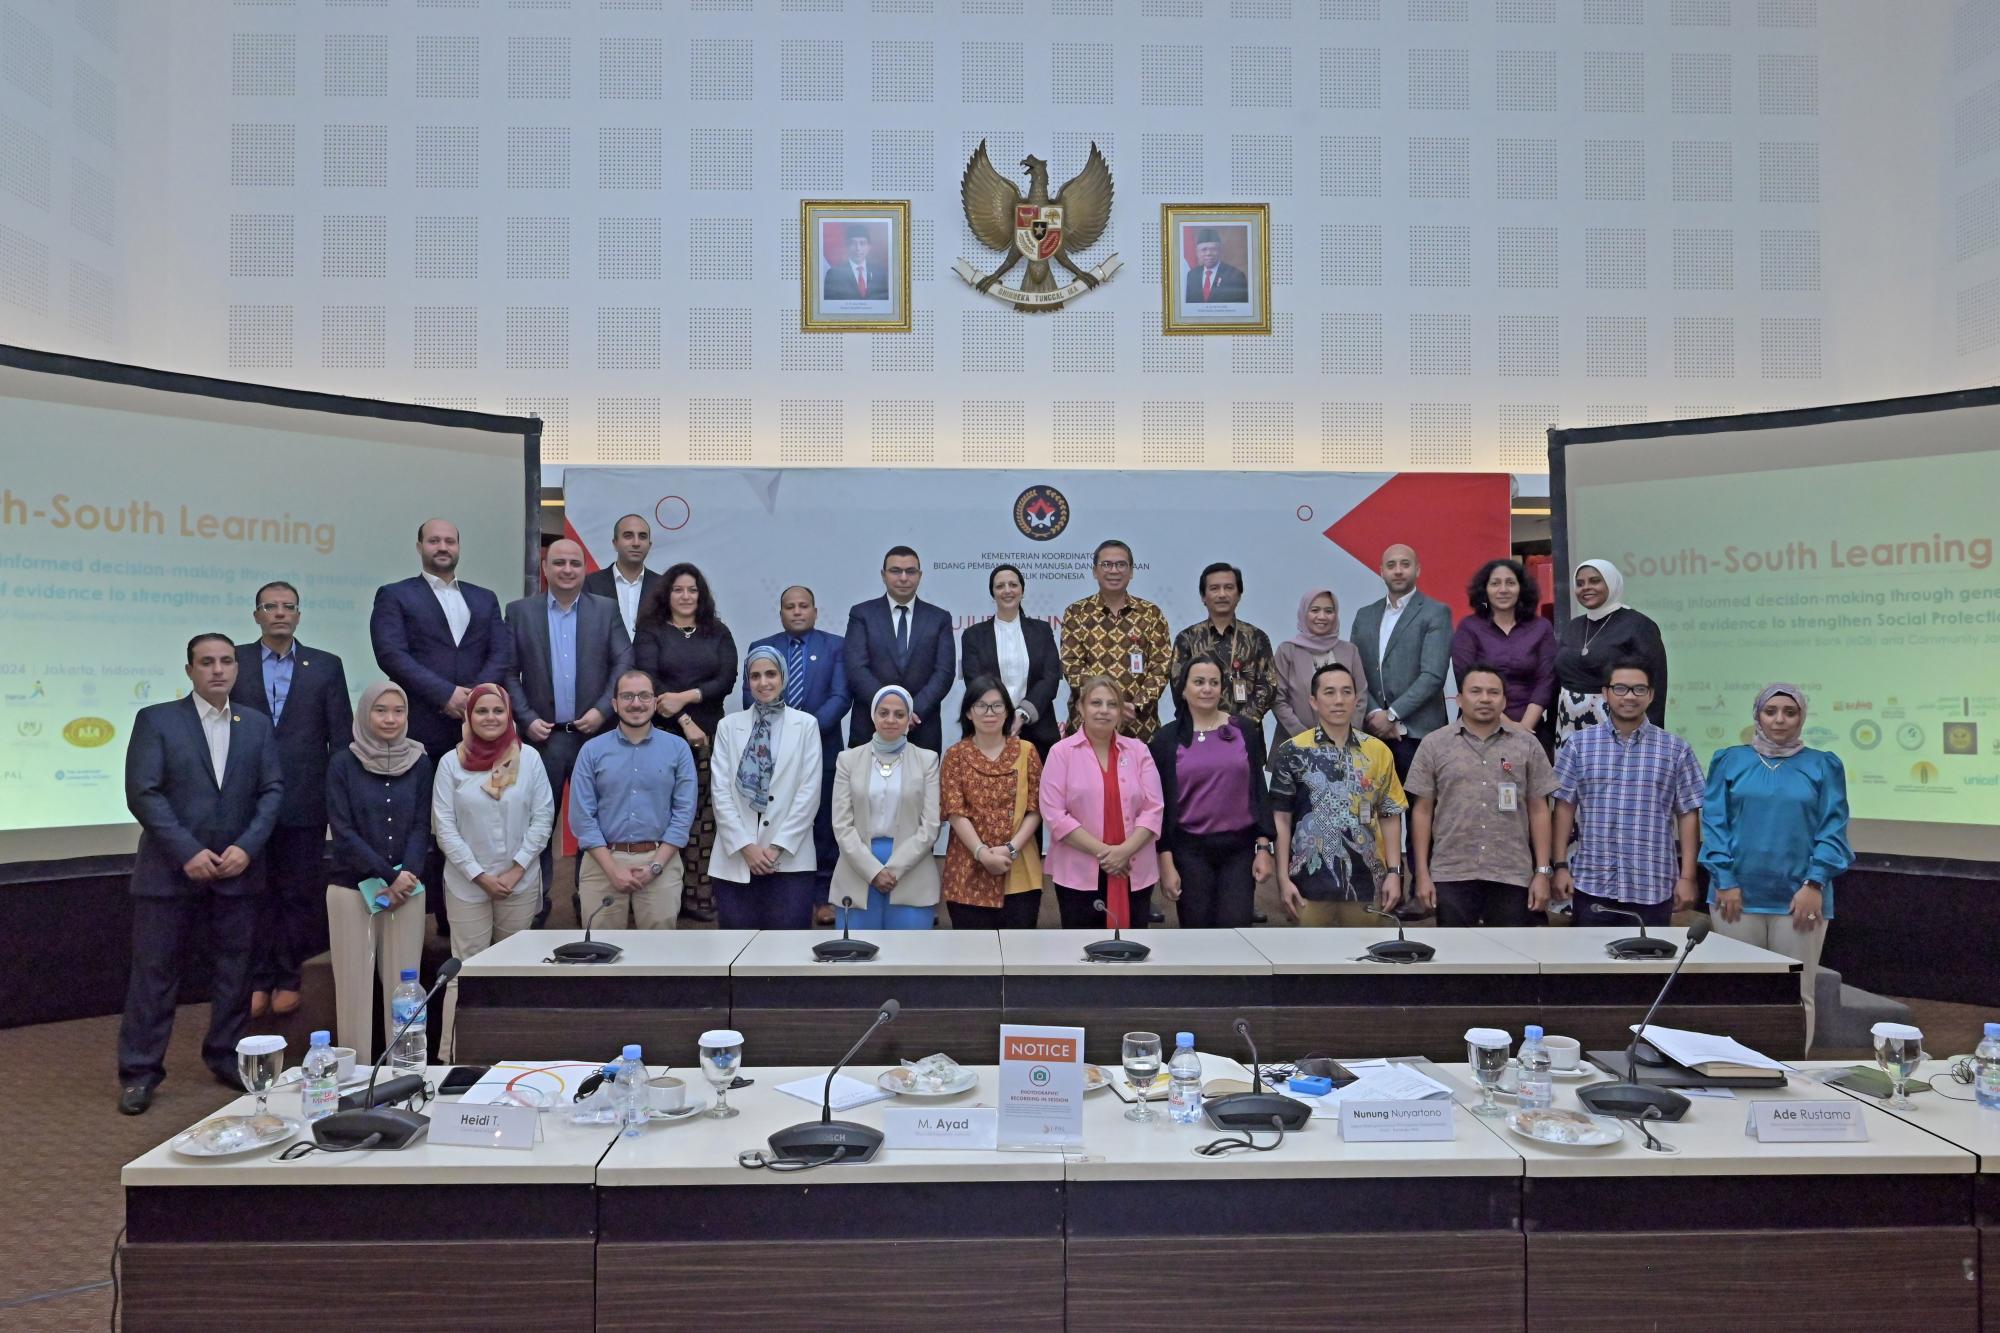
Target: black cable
(306,1147)
(758,1160)
(1219,1147)
(117,1252)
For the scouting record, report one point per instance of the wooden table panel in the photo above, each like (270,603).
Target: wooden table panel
(1778,1030)
(821,1036)
(1436,1032)
(540,1286)
(1104,1029)
(1989,1279)
(830,1285)
(1430,1281)
(484,1035)
(1865,1280)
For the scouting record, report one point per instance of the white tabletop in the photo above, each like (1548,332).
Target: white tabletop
(648,953)
(1947,1110)
(1050,953)
(701,1151)
(567,1155)
(1581,949)
(1712,1141)
(1342,951)
(903,953)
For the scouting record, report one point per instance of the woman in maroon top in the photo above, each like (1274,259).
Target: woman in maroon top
(1504,631)
(1217,837)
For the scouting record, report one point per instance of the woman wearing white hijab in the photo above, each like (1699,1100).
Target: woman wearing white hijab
(765,783)
(1608,631)
(1774,836)
(886,820)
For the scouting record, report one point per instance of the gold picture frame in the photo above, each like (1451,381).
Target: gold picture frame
(839,295)
(1231,293)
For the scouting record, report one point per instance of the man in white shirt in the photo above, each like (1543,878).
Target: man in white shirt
(627,581)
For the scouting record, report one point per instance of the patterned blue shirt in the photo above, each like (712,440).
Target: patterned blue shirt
(278,677)
(1627,793)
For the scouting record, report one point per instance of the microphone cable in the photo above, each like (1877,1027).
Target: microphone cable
(757,1159)
(1220,1147)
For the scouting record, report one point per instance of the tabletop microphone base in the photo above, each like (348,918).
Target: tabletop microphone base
(1116,951)
(586,951)
(1402,951)
(1642,946)
(822,1141)
(1256,1110)
(845,950)
(1633,1101)
(389,1127)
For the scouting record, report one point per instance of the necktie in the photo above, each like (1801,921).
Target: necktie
(861,277)
(902,631)
(1207,282)
(795,674)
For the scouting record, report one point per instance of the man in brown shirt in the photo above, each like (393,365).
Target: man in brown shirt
(1112,633)
(1479,811)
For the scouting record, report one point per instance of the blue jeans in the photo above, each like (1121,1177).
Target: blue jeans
(881,914)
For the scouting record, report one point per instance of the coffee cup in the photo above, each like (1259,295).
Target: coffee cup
(344,1060)
(666,1094)
(1564,1052)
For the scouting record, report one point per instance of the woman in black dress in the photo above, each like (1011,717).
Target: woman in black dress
(1608,631)
(692,658)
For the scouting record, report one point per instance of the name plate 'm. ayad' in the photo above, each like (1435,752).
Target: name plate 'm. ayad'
(965,1127)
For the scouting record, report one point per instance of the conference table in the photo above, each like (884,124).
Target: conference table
(1302,991)
(1484,1231)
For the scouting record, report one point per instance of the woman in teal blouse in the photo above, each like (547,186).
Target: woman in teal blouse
(1774,837)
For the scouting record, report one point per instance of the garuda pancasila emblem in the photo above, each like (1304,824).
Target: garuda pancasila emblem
(1034,227)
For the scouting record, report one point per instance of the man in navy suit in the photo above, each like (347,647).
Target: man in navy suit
(627,582)
(816,683)
(567,648)
(304,693)
(438,637)
(898,640)
(202,777)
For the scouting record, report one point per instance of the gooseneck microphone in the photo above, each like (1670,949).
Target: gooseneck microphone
(1256,1109)
(586,950)
(1641,945)
(1117,949)
(368,1125)
(846,949)
(1402,949)
(825,1140)
(1630,1099)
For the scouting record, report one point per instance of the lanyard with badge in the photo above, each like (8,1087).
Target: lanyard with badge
(1508,798)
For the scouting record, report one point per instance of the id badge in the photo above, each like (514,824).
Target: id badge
(1138,662)
(1240,691)
(1510,797)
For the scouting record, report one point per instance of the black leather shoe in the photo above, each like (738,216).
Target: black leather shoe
(229,1081)
(134,1099)
(1259,919)
(1156,916)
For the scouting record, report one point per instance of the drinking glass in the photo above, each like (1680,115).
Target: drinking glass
(721,1058)
(1899,1058)
(1488,1064)
(259,1061)
(1141,1054)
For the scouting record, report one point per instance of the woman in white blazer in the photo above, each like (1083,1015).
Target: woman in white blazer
(885,819)
(766,792)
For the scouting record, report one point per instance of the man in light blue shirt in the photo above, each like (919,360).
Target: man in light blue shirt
(632,798)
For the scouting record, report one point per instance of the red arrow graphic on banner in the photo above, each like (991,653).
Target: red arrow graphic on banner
(1457,521)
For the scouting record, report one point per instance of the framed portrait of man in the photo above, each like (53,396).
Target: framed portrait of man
(1215,268)
(854,266)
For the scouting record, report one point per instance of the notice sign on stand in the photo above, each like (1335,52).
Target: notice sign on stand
(1041,1087)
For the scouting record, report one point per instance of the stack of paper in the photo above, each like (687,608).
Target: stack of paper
(1717,1057)
(848,1093)
(1378,1081)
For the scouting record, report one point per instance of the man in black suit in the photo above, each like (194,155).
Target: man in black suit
(627,582)
(855,279)
(202,778)
(1211,280)
(304,693)
(568,648)
(898,640)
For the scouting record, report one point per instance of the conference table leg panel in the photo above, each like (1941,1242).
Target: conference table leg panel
(1989,1279)
(1778,1030)
(487,1286)
(1361,1033)
(1865,1280)
(1104,1029)
(821,1036)
(484,1035)
(830,1285)
(1434,1281)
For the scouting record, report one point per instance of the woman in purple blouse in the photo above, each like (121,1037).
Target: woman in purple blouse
(1216,834)
(1504,631)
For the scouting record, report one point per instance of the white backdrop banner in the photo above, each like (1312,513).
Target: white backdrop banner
(755,532)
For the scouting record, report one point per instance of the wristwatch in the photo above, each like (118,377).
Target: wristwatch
(655,869)
(1559,865)
(1545,870)
(1266,846)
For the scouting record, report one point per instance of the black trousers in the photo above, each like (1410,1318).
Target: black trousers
(1483,902)
(559,758)
(1217,888)
(1079,910)
(1017,911)
(1589,910)
(161,930)
(291,912)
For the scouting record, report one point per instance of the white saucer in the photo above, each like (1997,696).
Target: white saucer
(687,1112)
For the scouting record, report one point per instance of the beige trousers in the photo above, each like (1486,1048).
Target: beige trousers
(655,907)
(1774,931)
(1337,914)
(365,948)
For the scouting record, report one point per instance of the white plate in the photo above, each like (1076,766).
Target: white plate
(270,1131)
(1094,1079)
(1596,1131)
(688,1112)
(898,1081)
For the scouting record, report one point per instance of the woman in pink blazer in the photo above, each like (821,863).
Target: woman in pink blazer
(1101,801)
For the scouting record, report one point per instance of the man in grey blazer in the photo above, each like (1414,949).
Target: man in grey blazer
(569,646)
(1405,646)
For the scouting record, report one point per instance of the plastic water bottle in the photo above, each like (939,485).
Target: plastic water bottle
(411,1053)
(1536,1088)
(631,1080)
(320,1087)
(1986,1069)
(1184,1082)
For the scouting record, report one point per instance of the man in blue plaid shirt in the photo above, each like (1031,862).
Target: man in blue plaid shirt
(1632,792)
